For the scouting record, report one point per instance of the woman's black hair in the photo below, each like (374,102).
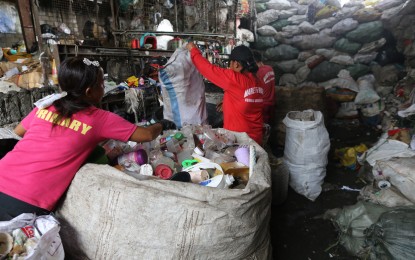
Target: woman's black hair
(74,77)
(244,56)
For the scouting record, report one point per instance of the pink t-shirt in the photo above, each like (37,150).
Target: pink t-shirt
(42,165)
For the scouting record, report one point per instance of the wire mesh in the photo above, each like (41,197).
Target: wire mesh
(79,15)
(217,16)
(96,19)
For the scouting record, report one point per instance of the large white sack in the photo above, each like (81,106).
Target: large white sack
(183,90)
(367,93)
(390,197)
(344,26)
(342,59)
(266,30)
(307,28)
(384,149)
(108,214)
(306,148)
(399,172)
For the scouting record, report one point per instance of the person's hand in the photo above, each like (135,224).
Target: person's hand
(167,124)
(219,107)
(190,46)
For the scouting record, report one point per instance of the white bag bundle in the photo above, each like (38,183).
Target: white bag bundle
(307,144)
(399,172)
(183,90)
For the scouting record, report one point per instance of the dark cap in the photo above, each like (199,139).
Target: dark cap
(244,55)
(241,53)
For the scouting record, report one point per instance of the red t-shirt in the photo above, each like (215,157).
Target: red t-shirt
(266,73)
(42,165)
(242,99)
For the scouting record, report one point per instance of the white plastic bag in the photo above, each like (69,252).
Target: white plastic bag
(183,90)
(366,94)
(49,245)
(307,144)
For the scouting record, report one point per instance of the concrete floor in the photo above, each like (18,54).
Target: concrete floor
(297,231)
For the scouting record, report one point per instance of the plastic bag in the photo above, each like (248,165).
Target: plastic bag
(307,144)
(392,236)
(40,235)
(183,90)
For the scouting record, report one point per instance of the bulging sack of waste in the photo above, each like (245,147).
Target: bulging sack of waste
(307,145)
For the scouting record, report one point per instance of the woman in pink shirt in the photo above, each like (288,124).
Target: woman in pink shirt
(57,139)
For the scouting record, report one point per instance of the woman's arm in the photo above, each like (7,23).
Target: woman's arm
(146,134)
(221,77)
(19,130)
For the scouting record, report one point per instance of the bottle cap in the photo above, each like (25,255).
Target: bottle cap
(178,136)
(146,169)
(163,171)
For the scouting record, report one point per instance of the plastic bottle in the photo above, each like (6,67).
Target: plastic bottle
(178,136)
(139,157)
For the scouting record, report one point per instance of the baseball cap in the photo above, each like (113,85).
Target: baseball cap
(241,53)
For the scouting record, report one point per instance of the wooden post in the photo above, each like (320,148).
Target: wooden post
(25,15)
(36,23)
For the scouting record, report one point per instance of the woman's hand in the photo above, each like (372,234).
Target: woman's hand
(190,46)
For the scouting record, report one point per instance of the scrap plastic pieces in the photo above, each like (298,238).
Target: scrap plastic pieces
(196,154)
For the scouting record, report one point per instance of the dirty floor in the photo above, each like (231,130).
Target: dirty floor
(297,231)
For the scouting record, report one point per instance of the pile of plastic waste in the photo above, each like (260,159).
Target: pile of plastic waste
(197,154)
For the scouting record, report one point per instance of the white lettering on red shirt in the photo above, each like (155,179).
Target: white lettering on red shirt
(254,90)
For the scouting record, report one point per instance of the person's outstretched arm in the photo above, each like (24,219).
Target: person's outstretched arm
(221,77)
(149,133)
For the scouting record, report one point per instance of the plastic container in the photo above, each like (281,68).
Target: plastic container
(199,176)
(238,170)
(184,155)
(242,155)
(163,171)
(221,181)
(138,157)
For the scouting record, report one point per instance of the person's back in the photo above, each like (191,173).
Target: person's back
(267,75)
(243,91)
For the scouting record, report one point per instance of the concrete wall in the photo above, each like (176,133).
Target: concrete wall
(14,106)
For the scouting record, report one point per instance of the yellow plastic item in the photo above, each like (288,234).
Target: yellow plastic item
(348,155)
(132,81)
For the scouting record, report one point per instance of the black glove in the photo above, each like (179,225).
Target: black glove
(167,124)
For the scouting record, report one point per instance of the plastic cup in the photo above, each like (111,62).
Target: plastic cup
(242,155)
(199,176)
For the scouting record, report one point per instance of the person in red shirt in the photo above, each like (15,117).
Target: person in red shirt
(266,74)
(243,90)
